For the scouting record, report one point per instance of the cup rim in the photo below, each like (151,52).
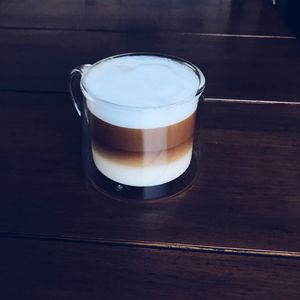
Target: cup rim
(190,65)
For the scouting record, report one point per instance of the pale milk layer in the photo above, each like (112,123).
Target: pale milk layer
(142,176)
(141,91)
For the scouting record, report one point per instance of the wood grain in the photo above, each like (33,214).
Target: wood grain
(234,234)
(210,16)
(245,195)
(40,269)
(264,69)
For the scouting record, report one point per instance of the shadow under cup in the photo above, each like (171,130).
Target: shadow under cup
(149,158)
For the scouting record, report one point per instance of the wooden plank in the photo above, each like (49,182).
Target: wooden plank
(245,195)
(48,270)
(210,16)
(289,10)
(242,68)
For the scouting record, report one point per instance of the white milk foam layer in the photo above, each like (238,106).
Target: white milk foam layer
(141,91)
(142,176)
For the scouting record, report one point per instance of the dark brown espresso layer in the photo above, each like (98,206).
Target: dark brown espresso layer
(144,159)
(141,147)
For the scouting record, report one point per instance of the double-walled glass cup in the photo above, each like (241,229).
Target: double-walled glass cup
(137,152)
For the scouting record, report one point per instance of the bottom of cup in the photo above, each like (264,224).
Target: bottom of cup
(118,190)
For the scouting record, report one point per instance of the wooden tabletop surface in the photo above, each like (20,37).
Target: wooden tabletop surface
(234,234)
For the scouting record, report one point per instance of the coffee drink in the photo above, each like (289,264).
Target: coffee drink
(141,114)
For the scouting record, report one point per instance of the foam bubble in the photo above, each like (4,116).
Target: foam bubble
(151,89)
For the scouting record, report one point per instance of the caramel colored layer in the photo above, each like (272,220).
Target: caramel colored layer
(142,159)
(108,136)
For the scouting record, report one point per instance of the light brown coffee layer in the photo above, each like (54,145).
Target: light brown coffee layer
(108,136)
(143,159)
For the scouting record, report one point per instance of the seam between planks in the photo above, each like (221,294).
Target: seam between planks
(232,35)
(206,99)
(251,101)
(222,35)
(151,245)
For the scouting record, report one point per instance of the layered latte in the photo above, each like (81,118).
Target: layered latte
(141,116)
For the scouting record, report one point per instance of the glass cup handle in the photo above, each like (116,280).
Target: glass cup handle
(75,77)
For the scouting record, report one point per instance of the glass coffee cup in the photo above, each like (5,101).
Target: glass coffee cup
(138,115)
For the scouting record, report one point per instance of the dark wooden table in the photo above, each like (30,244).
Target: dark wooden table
(233,235)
